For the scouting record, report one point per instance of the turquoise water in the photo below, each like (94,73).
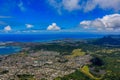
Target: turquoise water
(5,50)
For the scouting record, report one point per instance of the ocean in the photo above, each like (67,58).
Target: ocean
(4,50)
(45,37)
(38,38)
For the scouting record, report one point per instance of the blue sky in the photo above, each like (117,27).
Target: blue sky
(18,16)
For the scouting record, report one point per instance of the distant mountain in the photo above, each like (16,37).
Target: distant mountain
(108,40)
(115,36)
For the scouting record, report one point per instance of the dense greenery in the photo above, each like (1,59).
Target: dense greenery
(4,72)
(26,77)
(97,61)
(111,76)
(65,48)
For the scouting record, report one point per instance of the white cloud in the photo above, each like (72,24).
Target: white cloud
(108,22)
(21,6)
(87,5)
(114,4)
(7,28)
(85,24)
(57,5)
(53,27)
(5,16)
(29,26)
(103,4)
(71,5)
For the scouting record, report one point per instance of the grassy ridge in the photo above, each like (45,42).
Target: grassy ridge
(85,70)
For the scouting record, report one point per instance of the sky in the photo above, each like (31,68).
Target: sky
(36,16)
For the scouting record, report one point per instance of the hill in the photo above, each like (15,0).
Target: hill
(108,40)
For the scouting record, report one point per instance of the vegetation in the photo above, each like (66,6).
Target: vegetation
(77,52)
(106,57)
(64,48)
(97,61)
(4,72)
(26,77)
(77,75)
(86,71)
(111,76)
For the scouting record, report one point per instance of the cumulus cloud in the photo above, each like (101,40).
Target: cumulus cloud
(29,26)
(85,24)
(7,28)
(108,22)
(85,5)
(53,27)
